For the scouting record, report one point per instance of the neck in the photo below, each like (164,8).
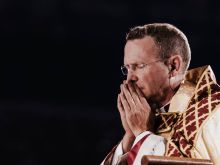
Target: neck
(166,96)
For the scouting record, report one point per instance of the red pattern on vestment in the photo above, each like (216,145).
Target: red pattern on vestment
(206,98)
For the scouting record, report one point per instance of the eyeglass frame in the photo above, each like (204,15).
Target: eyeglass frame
(139,66)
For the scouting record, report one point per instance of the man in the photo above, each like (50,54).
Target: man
(165,109)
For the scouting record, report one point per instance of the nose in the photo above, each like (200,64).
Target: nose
(131,77)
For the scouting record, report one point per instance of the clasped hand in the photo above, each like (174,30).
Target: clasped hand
(134,109)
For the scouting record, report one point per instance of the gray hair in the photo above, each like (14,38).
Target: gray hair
(168,39)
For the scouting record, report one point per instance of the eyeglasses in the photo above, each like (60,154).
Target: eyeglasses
(125,68)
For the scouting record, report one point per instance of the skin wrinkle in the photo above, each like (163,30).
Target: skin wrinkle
(134,53)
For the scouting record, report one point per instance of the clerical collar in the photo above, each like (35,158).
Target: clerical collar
(162,109)
(165,108)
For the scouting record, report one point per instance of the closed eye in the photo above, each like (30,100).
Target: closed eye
(140,66)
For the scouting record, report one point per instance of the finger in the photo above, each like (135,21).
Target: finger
(120,109)
(124,103)
(134,93)
(120,106)
(140,95)
(137,89)
(127,96)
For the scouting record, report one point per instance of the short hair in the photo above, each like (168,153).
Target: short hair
(168,39)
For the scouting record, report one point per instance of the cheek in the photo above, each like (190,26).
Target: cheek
(146,81)
(154,81)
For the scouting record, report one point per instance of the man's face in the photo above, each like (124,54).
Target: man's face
(153,79)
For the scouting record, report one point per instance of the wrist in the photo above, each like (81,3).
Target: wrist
(129,135)
(127,142)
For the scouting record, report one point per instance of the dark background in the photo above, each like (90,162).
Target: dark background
(60,71)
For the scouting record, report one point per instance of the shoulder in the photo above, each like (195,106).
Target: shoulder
(213,120)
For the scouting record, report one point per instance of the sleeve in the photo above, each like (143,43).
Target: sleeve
(140,136)
(109,157)
(115,156)
(153,145)
(119,155)
(211,136)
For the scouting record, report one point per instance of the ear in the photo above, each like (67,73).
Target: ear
(175,65)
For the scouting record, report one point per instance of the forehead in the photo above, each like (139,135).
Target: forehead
(140,50)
